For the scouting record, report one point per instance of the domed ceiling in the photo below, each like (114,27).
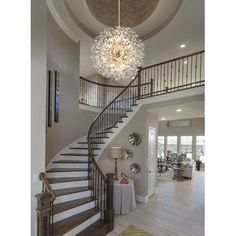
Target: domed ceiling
(132,13)
(146,17)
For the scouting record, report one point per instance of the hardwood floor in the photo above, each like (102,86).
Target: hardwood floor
(176,210)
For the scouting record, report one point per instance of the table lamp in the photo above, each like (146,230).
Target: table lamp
(116,153)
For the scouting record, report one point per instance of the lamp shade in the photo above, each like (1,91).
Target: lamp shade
(116,152)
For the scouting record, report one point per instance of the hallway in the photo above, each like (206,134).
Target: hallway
(177,210)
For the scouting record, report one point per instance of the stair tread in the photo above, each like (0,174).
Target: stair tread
(72,161)
(93,228)
(105,132)
(91,142)
(113,126)
(83,148)
(60,207)
(65,191)
(63,226)
(76,154)
(98,137)
(66,179)
(67,169)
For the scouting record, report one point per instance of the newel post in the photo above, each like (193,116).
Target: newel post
(44,209)
(139,82)
(109,213)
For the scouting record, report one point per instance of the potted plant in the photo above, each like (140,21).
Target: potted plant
(198,164)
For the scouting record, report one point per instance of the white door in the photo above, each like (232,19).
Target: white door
(152,165)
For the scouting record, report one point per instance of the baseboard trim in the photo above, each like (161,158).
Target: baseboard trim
(142,199)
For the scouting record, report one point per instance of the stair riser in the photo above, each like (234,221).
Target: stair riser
(72,184)
(69,165)
(74,158)
(83,226)
(72,196)
(67,174)
(73,211)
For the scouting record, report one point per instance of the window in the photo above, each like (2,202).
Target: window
(161,147)
(186,147)
(172,146)
(200,148)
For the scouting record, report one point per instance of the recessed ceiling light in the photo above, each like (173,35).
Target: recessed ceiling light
(179,110)
(163,118)
(185,62)
(183,45)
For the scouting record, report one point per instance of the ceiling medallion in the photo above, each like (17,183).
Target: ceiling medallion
(117,52)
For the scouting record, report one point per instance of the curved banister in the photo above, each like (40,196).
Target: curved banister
(95,120)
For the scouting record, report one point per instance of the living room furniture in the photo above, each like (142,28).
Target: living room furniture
(189,169)
(178,174)
(123,197)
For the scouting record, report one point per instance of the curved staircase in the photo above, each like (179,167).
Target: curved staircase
(77,198)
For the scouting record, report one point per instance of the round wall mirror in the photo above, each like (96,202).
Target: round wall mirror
(135,139)
(129,154)
(135,168)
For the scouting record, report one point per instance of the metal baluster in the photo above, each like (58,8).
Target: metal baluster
(200,66)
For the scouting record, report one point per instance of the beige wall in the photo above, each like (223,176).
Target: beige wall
(140,123)
(63,56)
(197,129)
(38,99)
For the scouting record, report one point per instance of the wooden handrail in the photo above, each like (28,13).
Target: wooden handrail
(42,177)
(105,85)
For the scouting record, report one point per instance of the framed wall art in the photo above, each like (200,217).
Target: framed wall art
(56,97)
(50,98)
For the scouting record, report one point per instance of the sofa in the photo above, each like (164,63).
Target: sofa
(189,169)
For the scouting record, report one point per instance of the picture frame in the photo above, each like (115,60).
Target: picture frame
(50,98)
(56,97)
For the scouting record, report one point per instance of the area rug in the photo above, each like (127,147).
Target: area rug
(134,231)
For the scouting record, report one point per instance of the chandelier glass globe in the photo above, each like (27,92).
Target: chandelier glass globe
(117,53)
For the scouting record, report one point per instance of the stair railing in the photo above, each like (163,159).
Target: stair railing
(170,76)
(44,209)
(96,94)
(110,115)
(173,75)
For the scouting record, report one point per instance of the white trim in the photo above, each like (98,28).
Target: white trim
(61,22)
(141,198)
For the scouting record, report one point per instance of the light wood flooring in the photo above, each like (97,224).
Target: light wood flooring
(176,210)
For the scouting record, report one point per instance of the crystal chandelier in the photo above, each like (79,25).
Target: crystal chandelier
(117,52)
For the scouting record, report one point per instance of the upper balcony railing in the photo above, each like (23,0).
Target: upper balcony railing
(170,76)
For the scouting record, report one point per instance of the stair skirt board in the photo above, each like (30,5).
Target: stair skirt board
(83,226)
(73,184)
(72,196)
(69,165)
(73,211)
(66,174)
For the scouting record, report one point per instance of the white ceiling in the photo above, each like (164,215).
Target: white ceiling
(189,110)
(186,27)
